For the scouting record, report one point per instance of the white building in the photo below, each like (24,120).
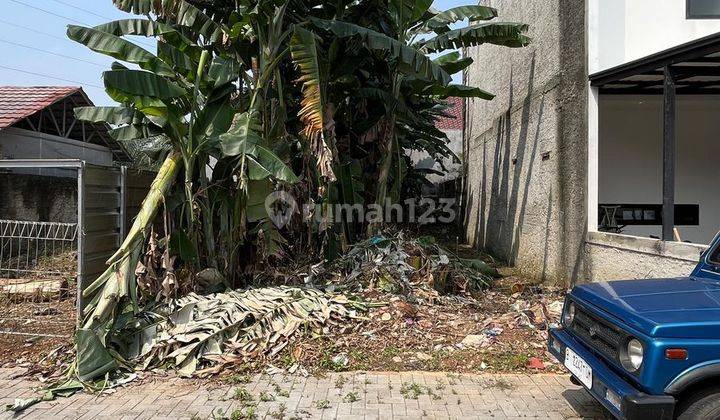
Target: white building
(598,159)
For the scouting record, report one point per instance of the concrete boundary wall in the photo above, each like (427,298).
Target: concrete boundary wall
(616,257)
(524,195)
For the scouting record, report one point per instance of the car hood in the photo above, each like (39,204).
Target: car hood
(671,308)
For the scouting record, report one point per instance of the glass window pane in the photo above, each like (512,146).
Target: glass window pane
(715,256)
(703,8)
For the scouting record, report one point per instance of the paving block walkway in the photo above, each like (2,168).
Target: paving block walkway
(352,395)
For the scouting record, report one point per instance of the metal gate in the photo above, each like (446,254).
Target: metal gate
(108,198)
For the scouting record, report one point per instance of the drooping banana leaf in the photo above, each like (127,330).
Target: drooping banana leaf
(134,132)
(505,34)
(116,47)
(458,91)
(453,63)
(149,28)
(142,84)
(441,21)
(313,112)
(411,60)
(176,12)
(243,135)
(115,115)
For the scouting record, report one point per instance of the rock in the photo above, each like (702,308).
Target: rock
(423,356)
(210,278)
(397,359)
(386,317)
(474,340)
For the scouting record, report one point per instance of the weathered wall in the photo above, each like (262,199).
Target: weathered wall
(38,198)
(527,149)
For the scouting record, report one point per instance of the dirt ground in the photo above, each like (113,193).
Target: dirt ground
(501,330)
(37,335)
(504,331)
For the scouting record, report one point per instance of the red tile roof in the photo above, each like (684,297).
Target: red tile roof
(18,102)
(456,111)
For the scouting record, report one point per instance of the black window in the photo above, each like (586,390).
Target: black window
(703,9)
(714,256)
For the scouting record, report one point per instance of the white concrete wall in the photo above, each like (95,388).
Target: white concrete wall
(630,164)
(625,30)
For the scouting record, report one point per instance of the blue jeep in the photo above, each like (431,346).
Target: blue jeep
(647,349)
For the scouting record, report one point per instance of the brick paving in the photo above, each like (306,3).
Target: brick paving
(351,395)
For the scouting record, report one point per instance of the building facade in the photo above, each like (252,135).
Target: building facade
(595,160)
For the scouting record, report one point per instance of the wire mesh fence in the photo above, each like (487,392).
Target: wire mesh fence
(38,267)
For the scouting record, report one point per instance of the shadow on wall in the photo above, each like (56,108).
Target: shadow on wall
(504,202)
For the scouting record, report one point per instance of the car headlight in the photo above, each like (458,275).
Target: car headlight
(633,357)
(569,314)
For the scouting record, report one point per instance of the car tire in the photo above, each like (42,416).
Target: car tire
(704,404)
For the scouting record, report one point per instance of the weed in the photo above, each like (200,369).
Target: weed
(501,384)
(238,379)
(453,391)
(340,381)
(326,362)
(432,394)
(351,397)
(390,351)
(266,397)
(440,386)
(322,404)
(279,391)
(280,412)
(242,394)
(411,390)
(248,413)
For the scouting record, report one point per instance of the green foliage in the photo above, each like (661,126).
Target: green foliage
(242,99)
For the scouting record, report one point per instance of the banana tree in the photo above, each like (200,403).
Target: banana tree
(192,96)
(242,96)
(418,30)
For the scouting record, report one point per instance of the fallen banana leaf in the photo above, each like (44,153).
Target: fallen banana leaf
(241,325)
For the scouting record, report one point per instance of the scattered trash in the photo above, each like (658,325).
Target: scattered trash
(391,263)
(535,363)
(341,360)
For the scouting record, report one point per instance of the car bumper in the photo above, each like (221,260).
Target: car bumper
(620,398)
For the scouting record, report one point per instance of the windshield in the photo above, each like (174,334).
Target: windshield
(714,255)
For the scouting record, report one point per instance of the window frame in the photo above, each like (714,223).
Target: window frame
(690,16)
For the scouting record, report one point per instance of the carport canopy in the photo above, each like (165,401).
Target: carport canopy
(688,69)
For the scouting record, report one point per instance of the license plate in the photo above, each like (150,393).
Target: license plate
(578,367)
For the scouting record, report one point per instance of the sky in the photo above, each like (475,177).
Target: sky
(36,52)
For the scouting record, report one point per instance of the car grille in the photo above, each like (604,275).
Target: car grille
(599,335)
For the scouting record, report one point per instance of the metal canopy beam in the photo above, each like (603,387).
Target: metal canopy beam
(682,53)
(668,210)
